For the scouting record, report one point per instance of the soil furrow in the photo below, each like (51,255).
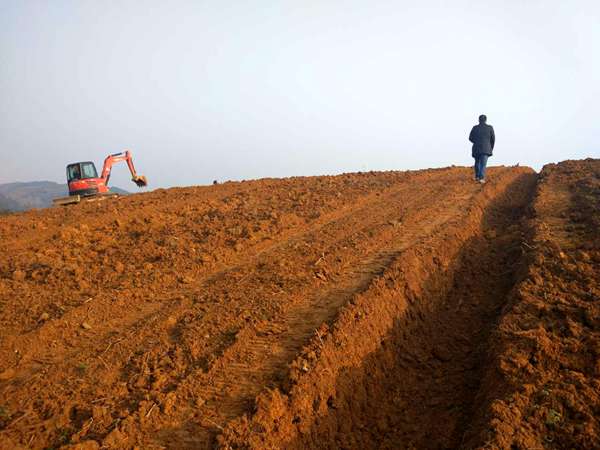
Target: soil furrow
(423,380)
(415,384)
(541,384)
(227,395)
(265,369)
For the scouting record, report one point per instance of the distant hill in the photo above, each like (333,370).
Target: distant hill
(8,204)
(34,194)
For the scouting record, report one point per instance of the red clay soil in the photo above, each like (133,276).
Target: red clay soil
(321,312)
(400,366)
(542,384)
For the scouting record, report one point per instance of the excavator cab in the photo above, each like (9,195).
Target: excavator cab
(82,170)
(83,179)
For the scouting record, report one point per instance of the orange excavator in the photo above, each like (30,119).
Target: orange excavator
(85,184)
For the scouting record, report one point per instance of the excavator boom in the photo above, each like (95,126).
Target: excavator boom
(110,160)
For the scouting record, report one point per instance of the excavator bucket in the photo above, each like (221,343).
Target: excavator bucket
(140,180)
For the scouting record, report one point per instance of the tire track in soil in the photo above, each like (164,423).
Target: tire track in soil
(272,351)
(204,202)
(103,306)
(258,361)
(36,354)
(228,282)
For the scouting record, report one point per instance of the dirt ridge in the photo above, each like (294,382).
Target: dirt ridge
(541,382)
(284,420)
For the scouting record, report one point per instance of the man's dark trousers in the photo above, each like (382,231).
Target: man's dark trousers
(480,165)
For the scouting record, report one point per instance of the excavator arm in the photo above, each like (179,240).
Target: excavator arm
(110,160)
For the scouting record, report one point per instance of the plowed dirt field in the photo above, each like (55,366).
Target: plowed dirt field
(371,310)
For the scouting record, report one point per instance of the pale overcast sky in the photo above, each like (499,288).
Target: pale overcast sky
(203,90)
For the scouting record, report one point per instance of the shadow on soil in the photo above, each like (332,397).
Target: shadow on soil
(417,390)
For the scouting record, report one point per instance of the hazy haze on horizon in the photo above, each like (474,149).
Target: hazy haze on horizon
(237,90)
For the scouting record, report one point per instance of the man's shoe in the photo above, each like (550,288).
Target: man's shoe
(482,181)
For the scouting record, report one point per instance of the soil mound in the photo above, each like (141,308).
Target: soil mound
(374,310)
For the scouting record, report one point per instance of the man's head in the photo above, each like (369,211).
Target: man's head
(482,118)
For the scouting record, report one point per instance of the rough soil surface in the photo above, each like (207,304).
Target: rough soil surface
(542,383)
(401,365)
(322,312)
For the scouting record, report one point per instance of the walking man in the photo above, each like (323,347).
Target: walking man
(483,138)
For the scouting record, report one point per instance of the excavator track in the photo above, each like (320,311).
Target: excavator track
(74,199)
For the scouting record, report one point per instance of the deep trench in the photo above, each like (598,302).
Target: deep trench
(418,389)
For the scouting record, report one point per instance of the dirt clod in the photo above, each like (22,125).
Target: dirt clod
(18,275)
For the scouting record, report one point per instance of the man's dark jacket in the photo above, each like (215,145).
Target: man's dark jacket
(483,138)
